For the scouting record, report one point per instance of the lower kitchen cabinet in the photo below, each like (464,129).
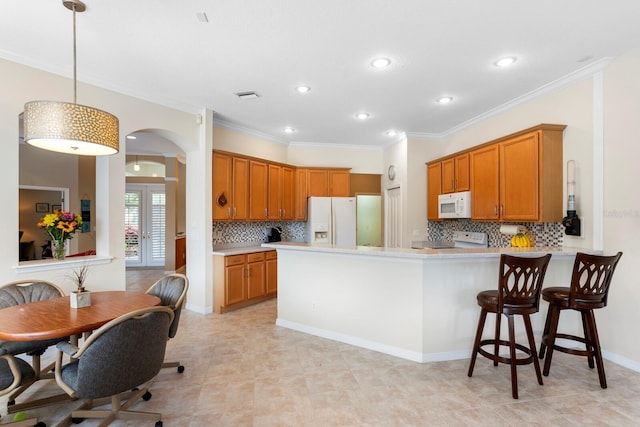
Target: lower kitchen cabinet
(244,279)
(271,265)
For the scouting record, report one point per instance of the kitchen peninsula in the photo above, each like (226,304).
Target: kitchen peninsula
(417,304)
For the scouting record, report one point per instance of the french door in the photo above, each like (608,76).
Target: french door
(145,213)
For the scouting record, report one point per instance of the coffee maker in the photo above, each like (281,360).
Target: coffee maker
(274,234)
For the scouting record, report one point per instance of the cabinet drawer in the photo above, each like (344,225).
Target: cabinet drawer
(272,255)
(255,257)
(234,260)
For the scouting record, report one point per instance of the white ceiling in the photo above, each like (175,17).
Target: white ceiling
(158,50)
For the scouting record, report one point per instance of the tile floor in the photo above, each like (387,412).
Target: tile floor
(242,370)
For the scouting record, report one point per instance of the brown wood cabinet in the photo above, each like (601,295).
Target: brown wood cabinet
(301,194)
(519,178)
(255,275)
(338,182)
(244,279)
(455,174)
(434,189)
(258,190)
(281,193)
(485,180)
(317,183)
(328,182)
(181,252)
(247,188)
(230,187)
(271,265)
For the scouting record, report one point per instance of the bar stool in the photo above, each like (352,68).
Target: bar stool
(519,285)
(589,290)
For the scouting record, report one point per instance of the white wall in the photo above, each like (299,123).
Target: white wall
(19,84)
(621,223)
(359,159)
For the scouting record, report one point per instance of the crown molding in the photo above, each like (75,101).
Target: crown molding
(585,72)
(231,125)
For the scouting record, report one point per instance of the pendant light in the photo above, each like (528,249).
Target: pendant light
(69,127)
(136,166)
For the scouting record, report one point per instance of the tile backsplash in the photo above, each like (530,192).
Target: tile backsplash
(246,233)
(545,234)
(239,233)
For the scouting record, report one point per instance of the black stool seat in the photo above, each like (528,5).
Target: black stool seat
(519,285)
(590,282)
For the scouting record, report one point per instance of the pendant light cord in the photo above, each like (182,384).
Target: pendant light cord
(75,84)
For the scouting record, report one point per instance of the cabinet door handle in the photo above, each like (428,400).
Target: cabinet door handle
(495,210)
(265,212)
(229,212)
(501,210)
(234,211)
(455,184)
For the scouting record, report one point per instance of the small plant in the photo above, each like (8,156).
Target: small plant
(79,275)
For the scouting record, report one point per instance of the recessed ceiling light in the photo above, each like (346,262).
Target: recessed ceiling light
(391,132)
(505,62)
(288,129)
(362,116)
(380,63)
(444,100)
(131,137)
(303,89)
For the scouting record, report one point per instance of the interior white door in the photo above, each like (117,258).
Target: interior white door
(145,217)
(393,218)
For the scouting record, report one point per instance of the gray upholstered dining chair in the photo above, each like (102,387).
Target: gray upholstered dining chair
(172,291)
(119,356)
(14,372)
(22,292)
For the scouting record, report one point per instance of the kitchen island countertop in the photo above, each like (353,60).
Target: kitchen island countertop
(427,253)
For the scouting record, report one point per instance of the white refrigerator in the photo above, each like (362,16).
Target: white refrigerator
(331,220)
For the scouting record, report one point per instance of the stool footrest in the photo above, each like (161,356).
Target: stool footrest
(507,360)
(590,351)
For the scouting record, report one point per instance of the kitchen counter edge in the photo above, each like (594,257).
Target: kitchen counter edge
(438,254)
(240,251)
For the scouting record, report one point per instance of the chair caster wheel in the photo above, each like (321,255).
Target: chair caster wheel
(147,396)
(40,424)
(77,420)
(180,369)
(158,423)
(11,402)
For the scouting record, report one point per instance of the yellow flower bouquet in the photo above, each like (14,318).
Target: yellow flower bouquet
(60,227)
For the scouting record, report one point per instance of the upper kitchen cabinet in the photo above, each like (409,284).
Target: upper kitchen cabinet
(281,193)
(317,183)
(328,182)
(434,189)
(258,190)
(455,174)
(230,187)
(485,181)
(301,194)
(339,182)
(519,177)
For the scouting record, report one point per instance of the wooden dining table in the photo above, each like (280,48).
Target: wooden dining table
(54,318)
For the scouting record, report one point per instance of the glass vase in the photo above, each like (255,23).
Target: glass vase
(58,249)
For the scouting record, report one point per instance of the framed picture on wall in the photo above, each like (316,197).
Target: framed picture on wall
(56,207)
(42,207)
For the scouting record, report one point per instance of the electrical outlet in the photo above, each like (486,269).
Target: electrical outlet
(314,306)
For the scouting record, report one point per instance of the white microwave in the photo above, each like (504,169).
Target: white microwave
(454,205)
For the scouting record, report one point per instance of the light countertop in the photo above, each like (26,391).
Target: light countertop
(426,253)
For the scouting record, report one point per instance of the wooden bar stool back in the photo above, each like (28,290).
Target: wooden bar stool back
(589,290)
(519,286)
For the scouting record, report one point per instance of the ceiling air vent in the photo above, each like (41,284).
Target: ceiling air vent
(247,95)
